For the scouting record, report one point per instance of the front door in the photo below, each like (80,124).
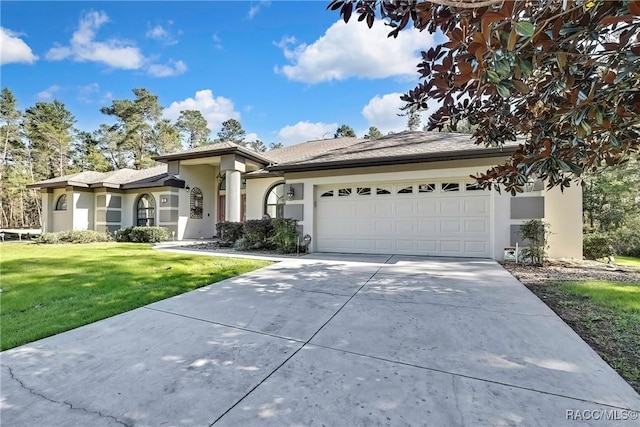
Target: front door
(243,207)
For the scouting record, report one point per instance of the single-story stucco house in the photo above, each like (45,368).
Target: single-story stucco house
(405,193)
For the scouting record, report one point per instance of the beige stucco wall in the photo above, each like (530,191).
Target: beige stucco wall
(61,220)
(83,207)
(563,213)
(203,177)
(256,193)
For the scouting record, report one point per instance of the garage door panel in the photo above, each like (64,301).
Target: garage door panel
(427,207)
(451,246)
(364,226)
(405,226)
(450,226)
(384,220)
(383,208)
(428,246)
(476,206)
(365,245)
(477,247)
(383,226)
(427,227)
(476,226)
(404,208)
(405,246)
(450,207)
(384,246)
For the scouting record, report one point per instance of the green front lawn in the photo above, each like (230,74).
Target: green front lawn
(628,261)
(607,315)
(48,289)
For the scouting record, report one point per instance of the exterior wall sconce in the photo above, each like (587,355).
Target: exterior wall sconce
(291,193)
(220,177)
(529,186)
(187,188)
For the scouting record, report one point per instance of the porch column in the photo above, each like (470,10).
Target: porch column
(232,198)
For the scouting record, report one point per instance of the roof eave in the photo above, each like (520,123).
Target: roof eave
(395,160)
(216,152)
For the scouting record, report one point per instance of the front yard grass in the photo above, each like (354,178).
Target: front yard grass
(48,289)
(628,261)
(606,314)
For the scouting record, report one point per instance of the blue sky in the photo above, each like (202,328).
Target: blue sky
(290,71)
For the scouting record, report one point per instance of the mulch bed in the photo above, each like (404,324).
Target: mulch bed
(615,337)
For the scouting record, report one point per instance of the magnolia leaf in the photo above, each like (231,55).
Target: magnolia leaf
(503,90)
(525,29)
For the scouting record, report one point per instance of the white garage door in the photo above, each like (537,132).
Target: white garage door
(433,217)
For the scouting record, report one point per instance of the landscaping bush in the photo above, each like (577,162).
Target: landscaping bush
(142,234)
(285,237)
(535,232)
(256,233)
(73,236)
(597,245)
(241,244)
(228,232)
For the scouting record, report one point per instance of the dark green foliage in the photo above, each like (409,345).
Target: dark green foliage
(344,131)
(285,237)
(142,234)
(73,236)
(257,232)
(228,232)
(535,232)
(597,245)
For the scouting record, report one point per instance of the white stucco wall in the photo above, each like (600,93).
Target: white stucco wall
(256,193)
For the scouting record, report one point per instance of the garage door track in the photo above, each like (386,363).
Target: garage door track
(324,340)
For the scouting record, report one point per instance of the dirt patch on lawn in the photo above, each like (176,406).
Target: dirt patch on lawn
(614,335)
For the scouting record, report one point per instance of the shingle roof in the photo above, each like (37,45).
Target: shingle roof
(115,178)
(402,147)
(309,149)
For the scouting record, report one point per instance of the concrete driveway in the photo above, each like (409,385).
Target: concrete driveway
(330,340)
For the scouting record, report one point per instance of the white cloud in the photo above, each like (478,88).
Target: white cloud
(174,68)
(306,131)
(251,137)
(354,50)
(161,34)
(255,8)
(86,93)
(14,49)
(48,93)
(217,42)
(215,109)
(382,112)
(83,47)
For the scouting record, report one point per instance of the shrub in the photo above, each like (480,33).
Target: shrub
(47,238)
(535,232)
(626,241)
(597,245)
(74,236)
(142,234)
(257,233)
(241,244)
(285,237)
(228,232)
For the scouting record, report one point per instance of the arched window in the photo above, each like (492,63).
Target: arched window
(146,211)
(197,204)
(274,201)
(61,204)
